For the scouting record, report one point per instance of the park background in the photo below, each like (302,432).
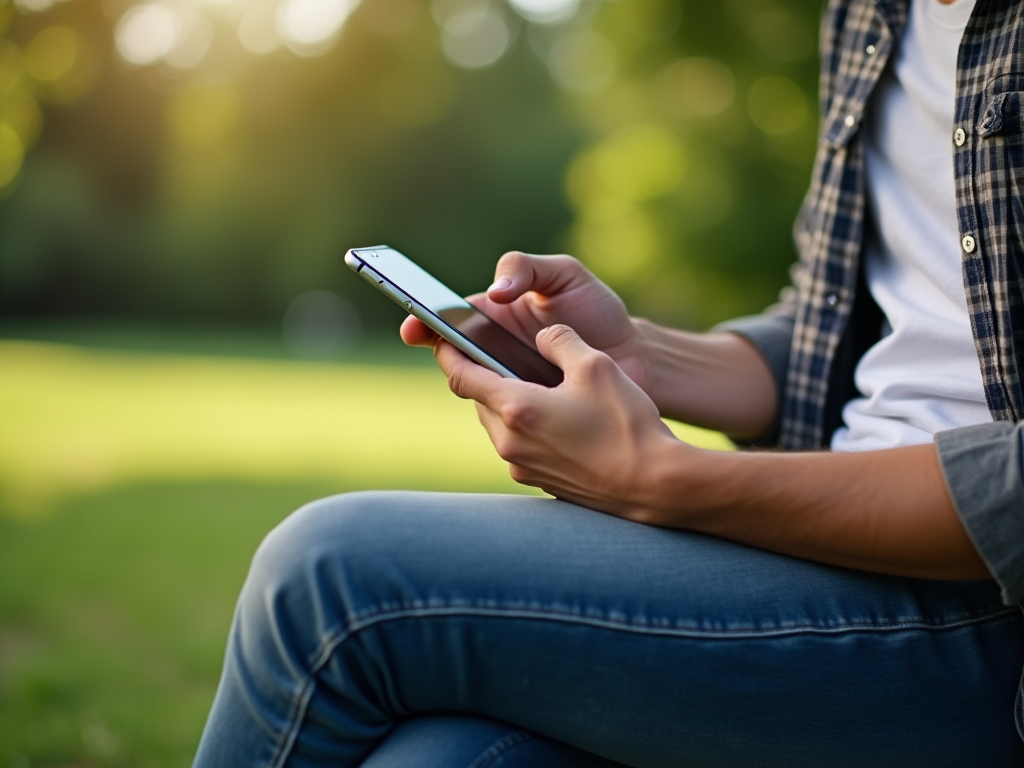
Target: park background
(183,357)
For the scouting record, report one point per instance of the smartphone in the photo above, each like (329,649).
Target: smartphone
(450,316)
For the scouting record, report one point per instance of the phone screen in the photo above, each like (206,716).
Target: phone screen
(516,355)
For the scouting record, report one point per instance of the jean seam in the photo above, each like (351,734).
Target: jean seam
(501,747)
(365,621)
(296,716)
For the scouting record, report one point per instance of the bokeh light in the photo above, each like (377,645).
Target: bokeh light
(308,27)
(148,32)
(157,31)
(546,11)
(475,36)
(36,6)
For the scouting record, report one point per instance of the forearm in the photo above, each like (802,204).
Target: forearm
(882,511)
(716,380)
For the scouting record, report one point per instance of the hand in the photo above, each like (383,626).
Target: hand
(592,440)
(534,292)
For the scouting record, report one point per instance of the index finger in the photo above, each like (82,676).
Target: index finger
(416,334)
(518,272)
(468,379)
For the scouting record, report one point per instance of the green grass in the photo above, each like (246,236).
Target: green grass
(134,488)
(114,610)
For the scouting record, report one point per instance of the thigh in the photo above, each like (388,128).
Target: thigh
(464,741)
(648,646)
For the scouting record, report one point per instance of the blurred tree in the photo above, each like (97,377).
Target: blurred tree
(212,160)
(705,130)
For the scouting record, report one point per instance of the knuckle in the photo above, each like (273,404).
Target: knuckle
(482,414)
(456,383)
(506,449)
(596,365)
(570,265)
(511,261)
(570,262)
(517,416)
(518,473)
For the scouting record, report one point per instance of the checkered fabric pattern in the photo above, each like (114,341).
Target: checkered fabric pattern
(857,38)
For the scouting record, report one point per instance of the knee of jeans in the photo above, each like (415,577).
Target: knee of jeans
(311,548)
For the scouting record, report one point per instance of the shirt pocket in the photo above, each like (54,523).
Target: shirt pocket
(999,163)
(998,169)
(1003,116)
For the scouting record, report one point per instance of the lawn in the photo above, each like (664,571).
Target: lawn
(134,487)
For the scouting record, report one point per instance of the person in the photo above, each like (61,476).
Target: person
(852,599)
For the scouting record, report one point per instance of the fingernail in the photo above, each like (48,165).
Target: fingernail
(500,284)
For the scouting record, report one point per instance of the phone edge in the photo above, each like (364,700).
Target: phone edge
(424,315)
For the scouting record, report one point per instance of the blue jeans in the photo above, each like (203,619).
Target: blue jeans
(408,630)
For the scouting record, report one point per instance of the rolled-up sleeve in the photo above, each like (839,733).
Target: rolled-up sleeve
(772,336)
(984,470)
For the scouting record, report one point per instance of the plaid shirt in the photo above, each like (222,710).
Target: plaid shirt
(857,39)
(826,319)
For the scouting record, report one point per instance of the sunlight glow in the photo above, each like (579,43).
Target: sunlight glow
(159,31)
(546,11)
(35,6)
(147,33)
(309,26)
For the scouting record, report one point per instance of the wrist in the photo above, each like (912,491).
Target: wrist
(645,345)
(713,380)
(677,489)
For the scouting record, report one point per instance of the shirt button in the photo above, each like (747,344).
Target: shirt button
(850,121)
(870,50)
(968,243)
(959,137)
(832,299)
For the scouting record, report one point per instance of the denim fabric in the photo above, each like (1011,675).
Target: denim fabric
(364,613)
(443,741)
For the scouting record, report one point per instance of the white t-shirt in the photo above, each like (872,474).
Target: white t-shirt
(923,376)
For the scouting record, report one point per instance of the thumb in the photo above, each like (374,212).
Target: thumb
(563,346)
(518,273)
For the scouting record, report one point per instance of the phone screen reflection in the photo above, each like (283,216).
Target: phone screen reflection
(524,361)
